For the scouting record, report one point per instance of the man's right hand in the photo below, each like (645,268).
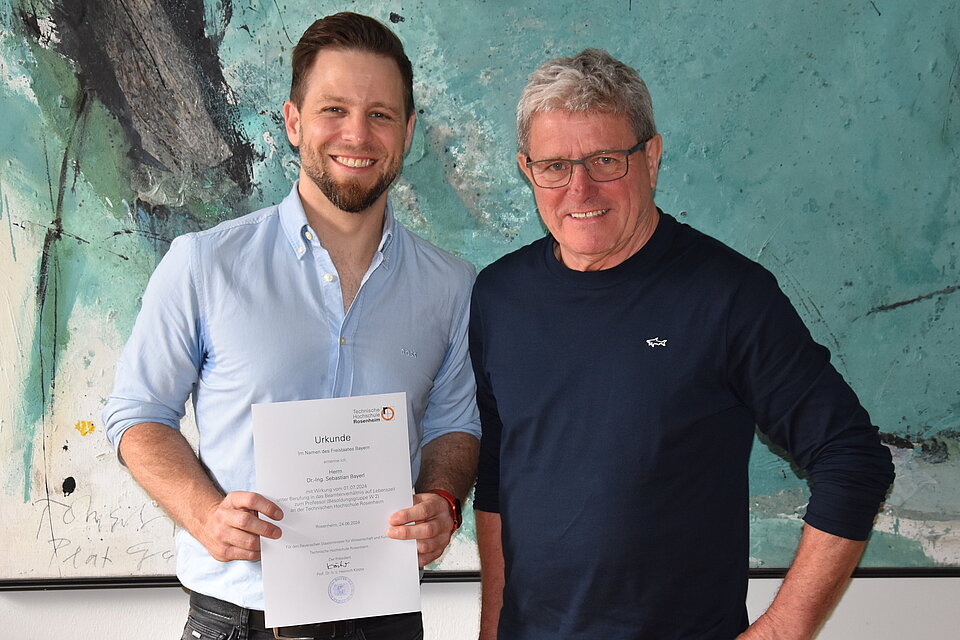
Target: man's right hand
(162,461)
(232,528)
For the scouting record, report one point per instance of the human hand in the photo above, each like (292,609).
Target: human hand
(232,528)
(432,526)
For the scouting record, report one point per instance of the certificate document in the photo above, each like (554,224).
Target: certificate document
(338,468)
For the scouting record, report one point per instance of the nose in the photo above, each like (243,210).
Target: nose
(580,180)
(356,128)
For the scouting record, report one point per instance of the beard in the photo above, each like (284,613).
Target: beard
(351,196)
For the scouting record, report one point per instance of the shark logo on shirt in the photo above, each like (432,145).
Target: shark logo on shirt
(657,342)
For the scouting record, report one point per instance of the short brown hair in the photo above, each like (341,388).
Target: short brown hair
(347,30)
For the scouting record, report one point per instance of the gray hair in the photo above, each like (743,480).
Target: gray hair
(592,80)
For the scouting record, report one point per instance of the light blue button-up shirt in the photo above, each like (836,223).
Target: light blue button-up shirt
(251,311)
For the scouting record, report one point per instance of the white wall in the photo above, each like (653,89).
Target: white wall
(874,609)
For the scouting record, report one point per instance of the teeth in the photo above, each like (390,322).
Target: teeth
(588,214)
(353,162)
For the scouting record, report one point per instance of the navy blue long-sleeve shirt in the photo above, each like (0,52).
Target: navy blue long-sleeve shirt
(618,411)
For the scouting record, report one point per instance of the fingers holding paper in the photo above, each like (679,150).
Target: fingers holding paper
(232,528)
(429,522)
(164,464)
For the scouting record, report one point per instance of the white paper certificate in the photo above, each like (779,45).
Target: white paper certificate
(338,468)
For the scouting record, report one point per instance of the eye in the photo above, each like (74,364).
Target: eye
(333,110)
(558,166)
(604,160)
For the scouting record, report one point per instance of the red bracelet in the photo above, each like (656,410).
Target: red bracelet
(454,506)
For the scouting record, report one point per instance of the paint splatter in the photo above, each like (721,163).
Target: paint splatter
(163,88)
(69,486)
(926,296)
(85,427)
(894,440)
(5,206)
(159,74)
(396,17)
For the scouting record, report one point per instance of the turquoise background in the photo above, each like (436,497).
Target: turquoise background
(820,139)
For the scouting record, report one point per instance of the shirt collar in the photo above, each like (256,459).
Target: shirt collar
(293,219)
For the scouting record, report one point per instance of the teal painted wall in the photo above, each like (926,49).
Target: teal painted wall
(820,139)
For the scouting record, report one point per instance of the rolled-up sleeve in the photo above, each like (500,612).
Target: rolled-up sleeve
(451,403)
(159,365)
(803,404)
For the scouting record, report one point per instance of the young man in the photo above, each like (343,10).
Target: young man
(324,295)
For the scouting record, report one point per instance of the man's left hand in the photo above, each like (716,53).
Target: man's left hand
(428,521)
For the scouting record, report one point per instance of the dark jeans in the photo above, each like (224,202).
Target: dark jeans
(212,619)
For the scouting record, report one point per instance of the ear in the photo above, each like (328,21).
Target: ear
(411,123)
(522,161)
(291,117)
(651,155)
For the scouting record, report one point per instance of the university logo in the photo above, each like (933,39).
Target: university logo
(387,413)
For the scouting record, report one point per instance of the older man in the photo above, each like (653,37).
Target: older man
(325,295)
(622,364)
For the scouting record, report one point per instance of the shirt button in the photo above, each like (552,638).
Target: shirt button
(309,235)
(328,277)
(343,341)
(300,249)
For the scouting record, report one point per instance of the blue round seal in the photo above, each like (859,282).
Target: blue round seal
(340,589)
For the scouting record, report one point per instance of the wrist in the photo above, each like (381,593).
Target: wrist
(454,504)
(765,627)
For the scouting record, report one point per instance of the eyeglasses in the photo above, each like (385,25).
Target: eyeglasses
(604,166)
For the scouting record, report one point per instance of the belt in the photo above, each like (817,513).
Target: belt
(316,631)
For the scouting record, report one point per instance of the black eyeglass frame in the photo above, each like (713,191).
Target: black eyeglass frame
(583,161)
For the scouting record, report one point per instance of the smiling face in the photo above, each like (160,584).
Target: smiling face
(351,129)
(597,225)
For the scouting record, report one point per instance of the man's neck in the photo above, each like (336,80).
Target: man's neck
(351,239)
